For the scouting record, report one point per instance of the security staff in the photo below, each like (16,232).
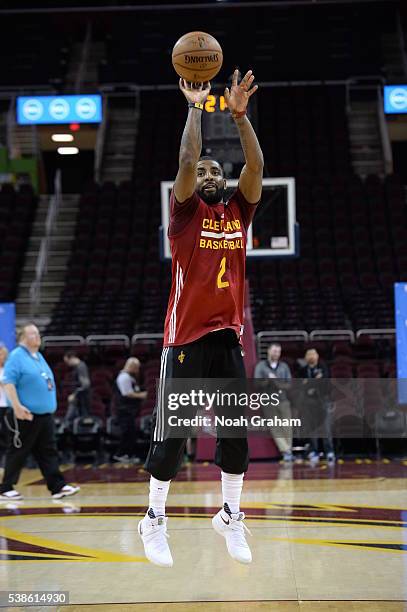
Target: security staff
(30,388)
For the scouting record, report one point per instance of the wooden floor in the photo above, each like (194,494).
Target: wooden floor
(322,539)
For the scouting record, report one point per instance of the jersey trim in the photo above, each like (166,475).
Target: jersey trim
(159,423)
(194,338)
(179,283)
(221,235)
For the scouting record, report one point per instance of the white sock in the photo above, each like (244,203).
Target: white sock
(158,495)
(232,485)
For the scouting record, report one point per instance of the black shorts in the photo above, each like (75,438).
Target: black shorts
(215,355)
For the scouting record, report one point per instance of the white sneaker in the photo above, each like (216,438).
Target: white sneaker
(11,495)
(313,458)
(331,458)
(232,528)
(65,491)
(153,532)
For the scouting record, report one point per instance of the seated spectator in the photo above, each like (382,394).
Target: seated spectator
(315,401)
(272,368)
(128,401)
(79,401)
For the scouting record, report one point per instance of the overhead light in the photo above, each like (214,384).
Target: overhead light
(62,137)
(68,150)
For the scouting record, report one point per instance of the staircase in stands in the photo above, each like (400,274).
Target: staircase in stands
(365,141)
(58,255)
(120,140)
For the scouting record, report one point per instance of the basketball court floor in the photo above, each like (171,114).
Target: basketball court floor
(323,538)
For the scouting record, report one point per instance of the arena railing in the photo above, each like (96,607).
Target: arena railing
(107,340)
(364,82)
(332,334)
(384,134)
(41,267)
(100,141)
(377,334)
(263,338)
(63,341)
(145,338)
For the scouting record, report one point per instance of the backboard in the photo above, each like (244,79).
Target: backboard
(274,231)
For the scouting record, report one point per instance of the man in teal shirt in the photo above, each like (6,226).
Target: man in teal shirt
(30,388)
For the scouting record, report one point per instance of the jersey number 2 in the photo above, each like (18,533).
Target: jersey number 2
(222,283)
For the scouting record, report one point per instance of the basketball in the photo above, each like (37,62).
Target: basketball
(197,57)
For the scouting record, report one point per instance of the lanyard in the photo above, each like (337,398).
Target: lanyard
(44,375)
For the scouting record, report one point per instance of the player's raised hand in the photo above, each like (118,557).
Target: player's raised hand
(195,92)
(238,96)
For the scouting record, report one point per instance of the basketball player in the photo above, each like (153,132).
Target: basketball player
(204,319)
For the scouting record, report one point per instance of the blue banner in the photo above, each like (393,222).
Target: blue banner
(395,99)
(33,110)
(8,325)
(400,301)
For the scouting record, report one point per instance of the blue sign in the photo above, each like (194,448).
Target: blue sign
(32,110)
(8,325)
(400,301)
(395,99)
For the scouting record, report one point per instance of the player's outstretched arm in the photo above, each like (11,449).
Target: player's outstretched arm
(250,181)
(191,142)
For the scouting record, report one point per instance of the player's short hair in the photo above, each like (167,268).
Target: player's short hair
(211,158)
(70,354)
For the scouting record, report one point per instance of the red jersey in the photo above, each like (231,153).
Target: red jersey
(208,248)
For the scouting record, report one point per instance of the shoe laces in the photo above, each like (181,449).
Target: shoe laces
(158,527)
(237,523)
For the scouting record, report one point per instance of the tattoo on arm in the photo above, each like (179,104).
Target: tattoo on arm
(191,142)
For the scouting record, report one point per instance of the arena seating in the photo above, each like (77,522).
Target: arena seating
(37,59)
(353,248)
(17,210)
(278,43)
(104,274)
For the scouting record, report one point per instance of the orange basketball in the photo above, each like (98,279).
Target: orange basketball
(197,57)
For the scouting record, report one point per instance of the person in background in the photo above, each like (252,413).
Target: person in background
(4,433)
(128,401)
(79,401)
(30,388)
(273,368)
(316,403)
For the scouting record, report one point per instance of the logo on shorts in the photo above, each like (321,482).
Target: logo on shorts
(181,357)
